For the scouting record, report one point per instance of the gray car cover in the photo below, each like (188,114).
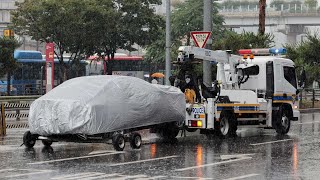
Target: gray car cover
(101,104)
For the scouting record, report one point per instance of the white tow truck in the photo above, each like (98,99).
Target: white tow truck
(250,91)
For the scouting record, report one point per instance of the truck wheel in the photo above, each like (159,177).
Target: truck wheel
(29,140)
(46,142)
(283,121)
(135,140)
(118,142)
(168,133)
(227,124)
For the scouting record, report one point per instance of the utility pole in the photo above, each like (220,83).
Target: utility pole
(168,42)
(207,26)
(262,16)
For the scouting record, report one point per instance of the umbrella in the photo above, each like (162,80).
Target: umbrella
(157,75)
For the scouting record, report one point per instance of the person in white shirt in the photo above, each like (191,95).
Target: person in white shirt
(154,81)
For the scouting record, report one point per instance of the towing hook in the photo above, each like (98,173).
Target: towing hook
(189,110)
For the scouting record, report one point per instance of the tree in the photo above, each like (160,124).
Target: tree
(136,24)
(59,21)
(7,61)
(246,40)
(187,17)
(306,56)
(85,27)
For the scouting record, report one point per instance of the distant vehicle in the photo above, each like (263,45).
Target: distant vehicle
(122,64)
(30,74)
(27,79)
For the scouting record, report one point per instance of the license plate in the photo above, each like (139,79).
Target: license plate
(198,110)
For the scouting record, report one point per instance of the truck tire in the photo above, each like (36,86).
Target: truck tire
(227,125)
(168,132)
(46,142)
(29,140)
(282,124)
(135,140)
(118,142)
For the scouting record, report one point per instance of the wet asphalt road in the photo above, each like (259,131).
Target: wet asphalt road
(254,154)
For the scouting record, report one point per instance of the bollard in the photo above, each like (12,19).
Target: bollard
(2,121)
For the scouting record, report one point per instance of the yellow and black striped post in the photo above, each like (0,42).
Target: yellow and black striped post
(2,121)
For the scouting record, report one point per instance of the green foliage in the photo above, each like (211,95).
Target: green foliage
(7,47)
(311,3)
(246,40)
(85,27)
(187,17)
(306,55)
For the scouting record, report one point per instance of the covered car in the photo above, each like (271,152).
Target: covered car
(101,104)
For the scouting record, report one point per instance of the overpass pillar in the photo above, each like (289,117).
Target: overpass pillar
(292,31)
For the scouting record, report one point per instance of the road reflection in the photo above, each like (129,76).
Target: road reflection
(199,160)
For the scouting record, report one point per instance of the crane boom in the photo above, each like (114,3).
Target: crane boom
(219,56)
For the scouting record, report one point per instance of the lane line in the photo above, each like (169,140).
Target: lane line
(28,174)
(243,177)
(130,177)
(85,176)
(270,142)
(214,164)
(146,160)
(180,177)
(74,158)
(99,177)
(307,122)
(3,170)
(101,152)
(71,176)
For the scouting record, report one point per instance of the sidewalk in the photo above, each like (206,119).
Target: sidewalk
(310,110)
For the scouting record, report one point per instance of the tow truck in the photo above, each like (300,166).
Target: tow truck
(257,88)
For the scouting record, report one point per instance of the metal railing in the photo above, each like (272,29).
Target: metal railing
(288,8)
(17,107)
(309,98)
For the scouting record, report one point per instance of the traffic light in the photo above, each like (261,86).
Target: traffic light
(8,33)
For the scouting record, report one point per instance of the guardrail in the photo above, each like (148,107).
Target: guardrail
(309,98)
(2,121)
(17,107)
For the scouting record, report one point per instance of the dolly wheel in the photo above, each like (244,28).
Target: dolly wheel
(46,142)
(28,139)
(135,140)
(118,142)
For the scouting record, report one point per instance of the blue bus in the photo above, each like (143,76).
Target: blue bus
(29,78)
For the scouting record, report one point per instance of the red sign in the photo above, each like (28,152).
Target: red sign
(49,66)
(50,52)
(200,38)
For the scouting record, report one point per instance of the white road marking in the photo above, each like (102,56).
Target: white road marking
(243,177)
(4,170)
(85,176)
(214,164)
(28,174)
(179,177)
(73,175)
(234,156)
(74,158)
(307,122)
(270,142)
(101,152)
(99,177)
(130,177)
(146,160)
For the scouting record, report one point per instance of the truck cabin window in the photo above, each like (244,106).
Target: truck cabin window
(290,75)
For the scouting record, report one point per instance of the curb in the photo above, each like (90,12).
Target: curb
(310,110)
